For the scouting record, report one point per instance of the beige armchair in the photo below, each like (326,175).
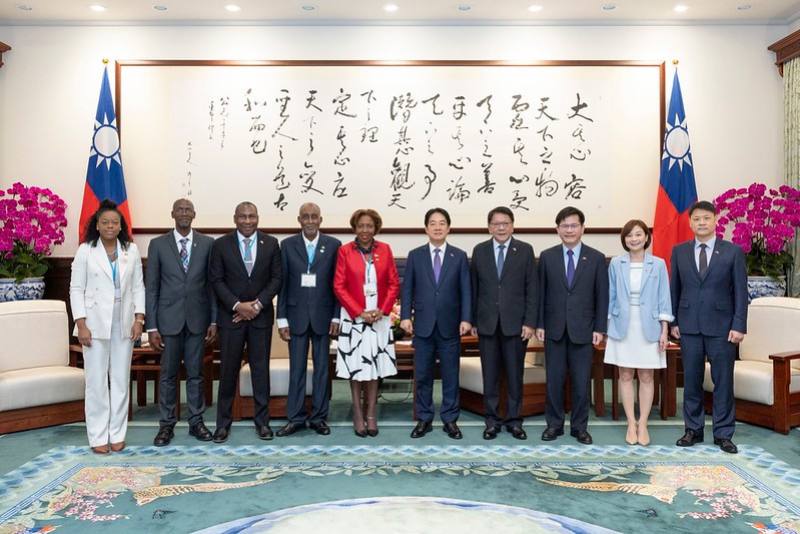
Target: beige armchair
(766,377)
(38,388)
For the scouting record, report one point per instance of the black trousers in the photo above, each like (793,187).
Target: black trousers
(563,356)
(298,358)
(498,353)
(232,343)
(188,347)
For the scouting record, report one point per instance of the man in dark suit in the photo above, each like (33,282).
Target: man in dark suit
(709,302)
(504,309)
(181,317)
(573,314)
(245,272)
(308,311)
(436,291)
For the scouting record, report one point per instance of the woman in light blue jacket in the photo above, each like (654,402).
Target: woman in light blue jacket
(639,313)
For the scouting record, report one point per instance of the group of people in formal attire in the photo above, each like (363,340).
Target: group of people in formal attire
(198,289)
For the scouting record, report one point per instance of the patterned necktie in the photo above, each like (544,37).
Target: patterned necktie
(570,267)
(703,260)
(184,255)
(501,259)
(248,256)
(437,264)
(310,253)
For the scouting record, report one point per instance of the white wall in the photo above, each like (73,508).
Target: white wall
(731,88)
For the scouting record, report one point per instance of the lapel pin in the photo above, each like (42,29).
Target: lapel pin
(583,258)
(716,252)
(513,249)
(260,242)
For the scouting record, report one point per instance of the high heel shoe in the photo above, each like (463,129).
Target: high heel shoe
(643,434)
(634,433)
(360,433)
(372,431)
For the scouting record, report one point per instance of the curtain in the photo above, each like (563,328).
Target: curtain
(791,102)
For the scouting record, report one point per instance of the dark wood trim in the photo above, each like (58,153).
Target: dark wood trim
(401,230)
(786,49)
(41,416)
(3,48)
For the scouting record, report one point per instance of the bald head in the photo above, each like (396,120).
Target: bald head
(309,218)
(183,214)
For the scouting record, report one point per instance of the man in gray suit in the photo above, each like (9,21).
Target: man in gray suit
(308,311)
(181,317)
(504,309)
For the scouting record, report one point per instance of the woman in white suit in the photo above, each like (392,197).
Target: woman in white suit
(639,313)
(107,297)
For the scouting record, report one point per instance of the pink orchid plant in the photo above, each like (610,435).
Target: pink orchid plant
(762,221)
(32,221)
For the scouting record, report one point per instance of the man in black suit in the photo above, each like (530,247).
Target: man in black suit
(436,291)
(181,317)
(709,302)
(308,311)
(245,272)
(504,309)
(573,313)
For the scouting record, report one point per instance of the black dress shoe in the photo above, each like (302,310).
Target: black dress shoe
(551,433)
(726,445)
(221,435)
(320,428)
(491,432)
(164,436)
(289,428)
(264,432)
(452,430)
(517,432)
(422,428)
(201,432)
(582,436)
(690,438)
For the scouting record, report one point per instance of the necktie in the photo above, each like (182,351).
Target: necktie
(501,259)
(437,264)
(570,267)
(184,255)
(248,256)
(310,253)
(703,260)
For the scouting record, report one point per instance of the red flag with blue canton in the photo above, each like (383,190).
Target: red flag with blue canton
(104,177)
(677,190)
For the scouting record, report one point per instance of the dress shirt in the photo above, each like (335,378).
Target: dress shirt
(433,247)
(575,256)
(709,251)
(178,238)
(496,246)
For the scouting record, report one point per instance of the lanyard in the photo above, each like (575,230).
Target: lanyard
(367,264)
(114,264)
(249,247)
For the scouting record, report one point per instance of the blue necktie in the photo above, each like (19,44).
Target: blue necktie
(570,267)
(248,256)
(437,264)
(310,253)
(501,259)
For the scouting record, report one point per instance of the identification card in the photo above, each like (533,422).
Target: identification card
(308,280)
(370,289)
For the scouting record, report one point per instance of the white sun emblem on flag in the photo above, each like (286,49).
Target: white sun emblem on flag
(676,144)
(105,142)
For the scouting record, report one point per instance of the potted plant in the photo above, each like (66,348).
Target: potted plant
(32,221)
(762,221)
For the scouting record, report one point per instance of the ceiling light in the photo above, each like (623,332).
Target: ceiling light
(744,7)
(390,8)
(97,7)
(308,7)
(535,8)
(159,7)
(608,7)
(680,8)
(464,7)
(233,8)
(24,7)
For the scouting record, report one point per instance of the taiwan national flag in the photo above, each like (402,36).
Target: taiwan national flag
(104,178)
(677,191)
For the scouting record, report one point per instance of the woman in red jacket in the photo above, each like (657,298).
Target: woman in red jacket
(367,285)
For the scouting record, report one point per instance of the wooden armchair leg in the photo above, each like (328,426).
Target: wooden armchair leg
(781,375)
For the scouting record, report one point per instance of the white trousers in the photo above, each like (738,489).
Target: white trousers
(107,367)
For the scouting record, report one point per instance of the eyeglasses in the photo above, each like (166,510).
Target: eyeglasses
(569,226)
(500,224)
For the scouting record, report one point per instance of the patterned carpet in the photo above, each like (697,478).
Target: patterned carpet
(402,489)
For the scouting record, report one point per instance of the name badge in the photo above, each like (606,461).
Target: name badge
(370,289)
(308,280)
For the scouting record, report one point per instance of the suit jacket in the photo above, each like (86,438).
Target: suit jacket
(176,298)
(578,310)
(91,289)
(348,282)
(654,297)
(228,276)
(513,298)
(304,306)
(443,305)
(715,304)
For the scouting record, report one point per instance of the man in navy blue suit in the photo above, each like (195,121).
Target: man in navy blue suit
(709,302)
(436,292)
(308,311)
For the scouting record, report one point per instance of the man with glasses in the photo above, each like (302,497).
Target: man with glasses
(504,309)
(573,311)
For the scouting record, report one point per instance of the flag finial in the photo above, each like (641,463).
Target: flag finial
(675,62)
(105,61)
